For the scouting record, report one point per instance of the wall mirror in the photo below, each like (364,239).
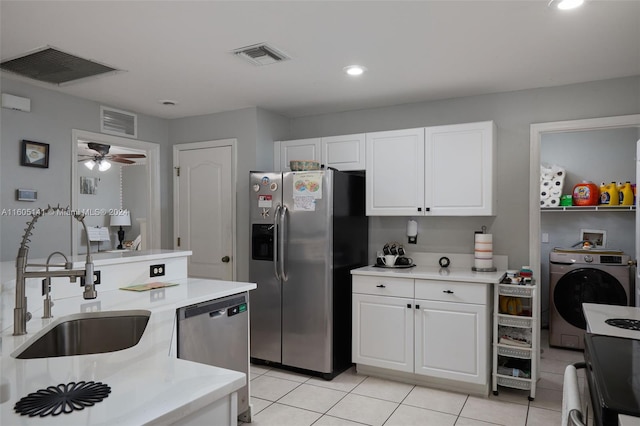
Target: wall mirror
(111,175)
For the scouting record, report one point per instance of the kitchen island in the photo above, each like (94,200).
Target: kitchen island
(149,385)
(425,324)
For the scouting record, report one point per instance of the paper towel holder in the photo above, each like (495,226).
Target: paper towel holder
(412,231)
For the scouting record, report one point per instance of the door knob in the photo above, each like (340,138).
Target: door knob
(226,259)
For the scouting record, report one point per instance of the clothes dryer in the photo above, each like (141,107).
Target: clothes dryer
(584,276)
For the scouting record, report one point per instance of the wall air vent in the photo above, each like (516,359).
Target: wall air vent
(54,66)
(117,122)
(261,54)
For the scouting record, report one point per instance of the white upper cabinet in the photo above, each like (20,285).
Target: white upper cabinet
(340,152)
(460,170)
(301,149)
(433,171)
(344,152)
(395,172)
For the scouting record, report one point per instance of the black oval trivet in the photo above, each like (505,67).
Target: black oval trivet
(626,323)
(63,398)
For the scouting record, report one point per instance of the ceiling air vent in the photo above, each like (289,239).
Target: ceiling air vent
(54,66)
(117,122)
(261,54)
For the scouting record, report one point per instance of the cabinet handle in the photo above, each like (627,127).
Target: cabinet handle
(427,209)
(409,305)
(447,291)
(381,286)
(419,209)
(417,306)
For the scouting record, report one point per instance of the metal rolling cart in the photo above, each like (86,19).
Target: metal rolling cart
(516,336)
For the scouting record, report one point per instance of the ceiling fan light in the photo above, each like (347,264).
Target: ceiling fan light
(104,165)
(90,164)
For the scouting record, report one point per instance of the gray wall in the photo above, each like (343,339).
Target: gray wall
(53,116)
(255,131)
(513,113)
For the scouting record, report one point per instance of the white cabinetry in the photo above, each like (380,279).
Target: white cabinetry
(395,173)
(345,152)
(441,332)
(516,340)
(432,171)
(452,330)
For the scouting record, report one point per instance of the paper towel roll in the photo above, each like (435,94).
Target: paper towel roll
(484,238)
(483,251)
(483,263)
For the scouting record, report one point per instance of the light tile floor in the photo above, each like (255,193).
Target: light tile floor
(282,398)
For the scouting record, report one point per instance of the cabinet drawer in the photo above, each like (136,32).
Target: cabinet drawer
(449,291)
(383,286)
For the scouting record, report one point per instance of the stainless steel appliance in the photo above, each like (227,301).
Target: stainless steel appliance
(215,333)
(612,365)
(584,276)
(308,230)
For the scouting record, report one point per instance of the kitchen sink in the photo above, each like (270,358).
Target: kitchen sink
(87,333)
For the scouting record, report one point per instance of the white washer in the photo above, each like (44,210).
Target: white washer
(584,276)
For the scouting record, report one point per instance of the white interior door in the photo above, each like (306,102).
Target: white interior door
(204,211)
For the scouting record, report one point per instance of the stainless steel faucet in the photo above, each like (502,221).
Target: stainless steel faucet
(20,313)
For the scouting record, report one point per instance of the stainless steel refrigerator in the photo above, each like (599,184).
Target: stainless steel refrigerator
(308,230)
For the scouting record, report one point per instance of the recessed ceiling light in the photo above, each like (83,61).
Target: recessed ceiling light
(566,4)
(354,70)
(168,102)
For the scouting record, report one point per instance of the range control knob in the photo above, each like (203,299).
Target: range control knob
(588,258)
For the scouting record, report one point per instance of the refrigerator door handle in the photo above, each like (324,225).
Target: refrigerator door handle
(283,242)
(276,255)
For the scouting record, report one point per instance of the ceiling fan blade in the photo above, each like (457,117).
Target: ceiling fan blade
(121,160)
(128,156)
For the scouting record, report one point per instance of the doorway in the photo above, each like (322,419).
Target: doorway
(147,180)
(204,207)
(538,132)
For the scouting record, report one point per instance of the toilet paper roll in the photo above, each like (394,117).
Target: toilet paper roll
(483,263)
(483,255)
(479,246)
(554,202)
(558,183)
(545,203)
(546,183)
(545,194)
(484,238)
(555,192)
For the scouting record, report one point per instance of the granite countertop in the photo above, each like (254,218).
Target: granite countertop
(148,383)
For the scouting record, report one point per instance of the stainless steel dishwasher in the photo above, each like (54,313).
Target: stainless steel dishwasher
(216,333)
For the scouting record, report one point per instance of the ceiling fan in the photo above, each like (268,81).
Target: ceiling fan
(102,154)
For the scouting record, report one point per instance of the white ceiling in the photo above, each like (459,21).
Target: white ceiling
(414,50)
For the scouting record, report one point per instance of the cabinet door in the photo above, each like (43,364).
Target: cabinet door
(344,152)
(460,170)
(395,173)
(301,149)
(451,341)
(382,334)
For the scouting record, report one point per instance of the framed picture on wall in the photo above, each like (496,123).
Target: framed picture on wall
(34,154)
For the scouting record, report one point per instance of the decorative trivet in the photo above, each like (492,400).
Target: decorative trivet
(63,398)
(626,323)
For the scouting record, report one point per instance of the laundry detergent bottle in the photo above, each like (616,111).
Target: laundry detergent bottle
(625,194)
(585,194)
(609,197)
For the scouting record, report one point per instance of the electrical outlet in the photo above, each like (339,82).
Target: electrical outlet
(156,270)
(96,278)
(156,295)
(90,307)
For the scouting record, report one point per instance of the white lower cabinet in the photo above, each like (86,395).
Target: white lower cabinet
(432,329)
(383,332)
(451,341)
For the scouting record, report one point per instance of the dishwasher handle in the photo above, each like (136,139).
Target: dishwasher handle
(213,308)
